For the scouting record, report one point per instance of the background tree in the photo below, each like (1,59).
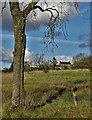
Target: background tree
(19,17)
(79,56)
(82,61)
(11,67)
(38,59)
(54,62)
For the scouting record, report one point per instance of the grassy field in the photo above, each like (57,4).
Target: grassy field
(49,95)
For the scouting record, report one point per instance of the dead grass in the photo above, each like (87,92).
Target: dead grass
(7,78)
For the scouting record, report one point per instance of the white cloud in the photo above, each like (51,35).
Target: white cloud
(7,55)
(42,18)
(68,9)
(28,55)
(64,58)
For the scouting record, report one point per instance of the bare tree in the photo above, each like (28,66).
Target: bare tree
(19,17)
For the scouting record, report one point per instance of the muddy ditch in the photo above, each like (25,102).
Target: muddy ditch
(49,96)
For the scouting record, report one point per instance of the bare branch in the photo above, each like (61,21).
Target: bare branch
(64,30)
(37,6)
(4,6)
(52,23)
(29,8)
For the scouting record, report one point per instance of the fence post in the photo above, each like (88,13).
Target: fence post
(74,89)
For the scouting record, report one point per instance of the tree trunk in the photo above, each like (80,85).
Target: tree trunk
(22,94)
(18,66)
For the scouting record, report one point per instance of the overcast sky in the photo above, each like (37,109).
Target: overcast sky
(78,39)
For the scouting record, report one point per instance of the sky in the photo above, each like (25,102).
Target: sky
(78,39)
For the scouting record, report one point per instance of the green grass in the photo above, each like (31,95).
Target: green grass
(40,86)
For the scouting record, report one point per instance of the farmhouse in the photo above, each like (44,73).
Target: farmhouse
(59,66)
(63,65)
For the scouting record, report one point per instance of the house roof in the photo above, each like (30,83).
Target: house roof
(65,62)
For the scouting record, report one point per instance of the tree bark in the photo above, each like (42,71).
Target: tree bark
(19,22)
(22,94)
(19,53)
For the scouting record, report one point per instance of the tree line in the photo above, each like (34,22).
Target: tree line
(80,61)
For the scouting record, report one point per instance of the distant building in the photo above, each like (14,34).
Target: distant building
(63,65)
(59,65)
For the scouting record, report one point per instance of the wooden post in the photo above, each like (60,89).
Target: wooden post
(75,99)
(75,96)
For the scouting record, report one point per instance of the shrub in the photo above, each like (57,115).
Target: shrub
(65,67)
(45,68)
